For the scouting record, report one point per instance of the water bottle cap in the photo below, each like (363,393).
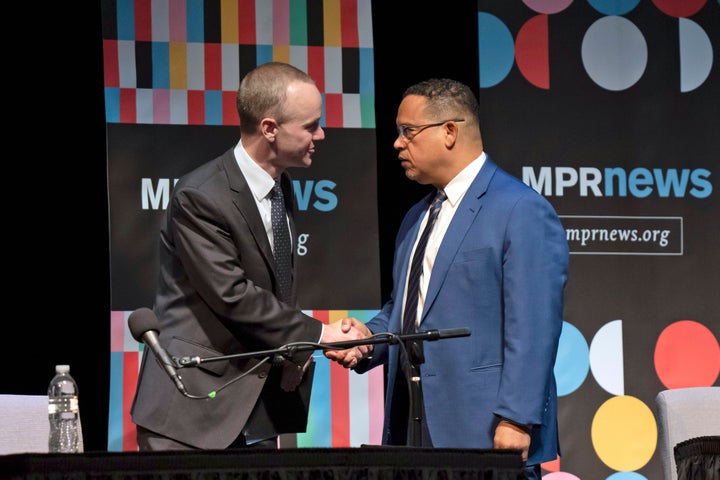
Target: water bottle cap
(62,368)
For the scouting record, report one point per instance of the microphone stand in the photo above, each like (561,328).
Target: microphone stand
(411,357)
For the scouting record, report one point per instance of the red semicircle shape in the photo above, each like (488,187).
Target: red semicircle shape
(531,51)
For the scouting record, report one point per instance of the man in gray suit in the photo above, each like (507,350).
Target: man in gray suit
(219,291)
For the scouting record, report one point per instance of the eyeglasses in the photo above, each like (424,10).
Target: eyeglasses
(408,132)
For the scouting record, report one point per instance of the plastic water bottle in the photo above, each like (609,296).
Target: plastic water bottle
(64,413)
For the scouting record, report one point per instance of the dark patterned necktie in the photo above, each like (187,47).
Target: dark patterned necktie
(413,287)
(281,242)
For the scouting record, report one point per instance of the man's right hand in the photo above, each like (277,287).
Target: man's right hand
(344,330)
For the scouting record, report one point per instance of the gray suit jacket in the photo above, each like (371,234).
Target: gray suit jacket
(216,295)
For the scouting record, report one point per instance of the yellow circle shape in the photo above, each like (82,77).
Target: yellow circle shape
(624,433)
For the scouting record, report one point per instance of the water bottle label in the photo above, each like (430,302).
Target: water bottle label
(65,404)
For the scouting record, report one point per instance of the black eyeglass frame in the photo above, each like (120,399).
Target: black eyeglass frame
(403,129)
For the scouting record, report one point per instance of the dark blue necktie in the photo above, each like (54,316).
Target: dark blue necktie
(413,287)
(282,249)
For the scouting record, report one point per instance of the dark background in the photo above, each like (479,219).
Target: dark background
(56,209)
(57,205)
(56,215)
(165,152)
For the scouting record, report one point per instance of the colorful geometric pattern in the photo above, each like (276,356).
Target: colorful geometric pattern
(346,409)
(614,50)
(180,61)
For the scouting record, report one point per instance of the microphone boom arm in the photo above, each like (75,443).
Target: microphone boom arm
(289,350)
(411,356)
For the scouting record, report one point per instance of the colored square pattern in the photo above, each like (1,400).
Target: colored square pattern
(336,392)
(180,62)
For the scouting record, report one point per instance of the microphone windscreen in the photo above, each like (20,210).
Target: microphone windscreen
(454,332)
(142,320)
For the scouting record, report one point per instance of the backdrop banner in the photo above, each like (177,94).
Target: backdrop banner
(171,74)
(609,109)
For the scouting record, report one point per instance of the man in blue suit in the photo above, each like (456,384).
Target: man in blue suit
(495,262)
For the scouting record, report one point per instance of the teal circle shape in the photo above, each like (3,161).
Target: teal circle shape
(573,360)
(615,7)
(626,476)
(496,50)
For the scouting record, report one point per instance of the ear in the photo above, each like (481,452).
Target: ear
(268,127)
(451,134)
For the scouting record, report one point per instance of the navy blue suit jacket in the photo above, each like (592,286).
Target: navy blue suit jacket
(500,271)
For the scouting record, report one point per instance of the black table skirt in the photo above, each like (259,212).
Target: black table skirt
(698,458)
(363,463)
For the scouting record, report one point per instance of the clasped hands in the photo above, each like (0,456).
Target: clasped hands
(344,330)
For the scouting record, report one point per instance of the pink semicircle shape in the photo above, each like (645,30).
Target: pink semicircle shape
(547,6)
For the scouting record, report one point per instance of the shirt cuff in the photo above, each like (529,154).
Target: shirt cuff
(522,426)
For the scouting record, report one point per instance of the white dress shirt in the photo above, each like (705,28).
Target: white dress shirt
(261,185)
(455,191)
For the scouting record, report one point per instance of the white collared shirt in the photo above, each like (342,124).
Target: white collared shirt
(455,191)
(261,185)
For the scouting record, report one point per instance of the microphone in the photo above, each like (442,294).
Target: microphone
(437,334)
(144,327)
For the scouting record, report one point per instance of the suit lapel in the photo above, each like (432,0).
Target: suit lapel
(245,203)
(465,215)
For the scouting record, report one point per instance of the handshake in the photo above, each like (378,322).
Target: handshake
(344,330)
(347,329)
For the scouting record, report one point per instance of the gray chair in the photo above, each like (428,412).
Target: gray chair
(24,426)
(684,414)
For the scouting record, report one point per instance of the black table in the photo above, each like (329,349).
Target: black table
(360,463)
